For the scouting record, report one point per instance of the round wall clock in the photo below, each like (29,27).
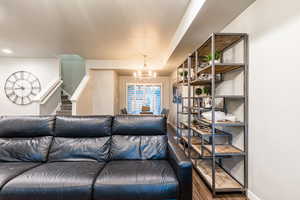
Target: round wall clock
(21,87)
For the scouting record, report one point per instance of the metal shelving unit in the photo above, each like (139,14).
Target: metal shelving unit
(210,144)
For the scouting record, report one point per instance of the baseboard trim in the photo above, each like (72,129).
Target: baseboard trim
(252,196)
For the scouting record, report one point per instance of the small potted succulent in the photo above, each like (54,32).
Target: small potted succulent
(208,58)
(198,91)
(207,91)
(194,122)
(184,74)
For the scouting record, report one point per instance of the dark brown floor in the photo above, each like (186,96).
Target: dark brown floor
(200,190)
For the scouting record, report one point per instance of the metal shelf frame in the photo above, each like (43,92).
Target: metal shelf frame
(192,66)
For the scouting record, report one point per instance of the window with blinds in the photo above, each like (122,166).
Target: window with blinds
(139,95)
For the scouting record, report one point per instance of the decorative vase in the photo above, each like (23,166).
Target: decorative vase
(216,62)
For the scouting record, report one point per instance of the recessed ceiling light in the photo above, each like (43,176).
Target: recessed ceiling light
(7,51)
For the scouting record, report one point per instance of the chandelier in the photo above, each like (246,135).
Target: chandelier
(144,72)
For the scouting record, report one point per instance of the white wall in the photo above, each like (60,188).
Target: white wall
(104,92)
(163,80)
(47,70)
(82,99)
(274,28)
(52,104)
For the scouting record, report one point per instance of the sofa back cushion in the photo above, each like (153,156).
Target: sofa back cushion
(25,138)
(139,138)
(81,138)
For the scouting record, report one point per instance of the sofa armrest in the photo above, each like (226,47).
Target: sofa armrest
(183,169)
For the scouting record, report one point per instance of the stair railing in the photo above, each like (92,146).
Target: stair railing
(49,100)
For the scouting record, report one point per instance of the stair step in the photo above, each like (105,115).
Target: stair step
(63,113)
(66,105)
(66,102)
(65,99)
(64,96)
(66,109)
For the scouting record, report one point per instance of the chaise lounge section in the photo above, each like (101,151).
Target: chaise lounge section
(91,158)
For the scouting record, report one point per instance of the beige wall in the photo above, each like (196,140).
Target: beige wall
(82,101)
(273,28)
(104,92)
(164,80)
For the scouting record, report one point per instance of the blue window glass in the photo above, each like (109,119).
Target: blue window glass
(139,95)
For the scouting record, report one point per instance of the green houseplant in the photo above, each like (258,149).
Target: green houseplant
(198,91)
(194,122)
(184,74)
(207,91)
(208,58)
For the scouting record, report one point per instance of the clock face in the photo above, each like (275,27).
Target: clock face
(21,87)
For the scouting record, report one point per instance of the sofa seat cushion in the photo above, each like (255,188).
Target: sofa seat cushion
(54,181)
(10,170)
(136,180)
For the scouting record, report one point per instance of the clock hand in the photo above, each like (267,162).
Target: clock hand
(18,85)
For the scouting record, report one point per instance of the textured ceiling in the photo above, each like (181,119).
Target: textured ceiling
(94,29)
(112,33)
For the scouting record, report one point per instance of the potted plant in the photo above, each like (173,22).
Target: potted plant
(194,122)
(198,91)
(208,58)
(184,74)
(207,90)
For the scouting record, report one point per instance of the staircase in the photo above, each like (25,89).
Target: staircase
(66,106)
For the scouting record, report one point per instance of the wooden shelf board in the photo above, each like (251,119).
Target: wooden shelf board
(223,181)
(197,148)
(222,96)
(182,82)
(182,128)
(186,113)
(221,43)
(184,124)
(181,146)
(223,123)
(224,149)
(201,82)
(189,97)
(221,68)
(201,131)
(193,107)
(207,131)
(202,109)
(230,96)
(194,140)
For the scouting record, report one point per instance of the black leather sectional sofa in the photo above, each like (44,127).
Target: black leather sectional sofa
(91,158)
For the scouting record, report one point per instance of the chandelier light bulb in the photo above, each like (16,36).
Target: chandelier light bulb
(7,51)
(142,71)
